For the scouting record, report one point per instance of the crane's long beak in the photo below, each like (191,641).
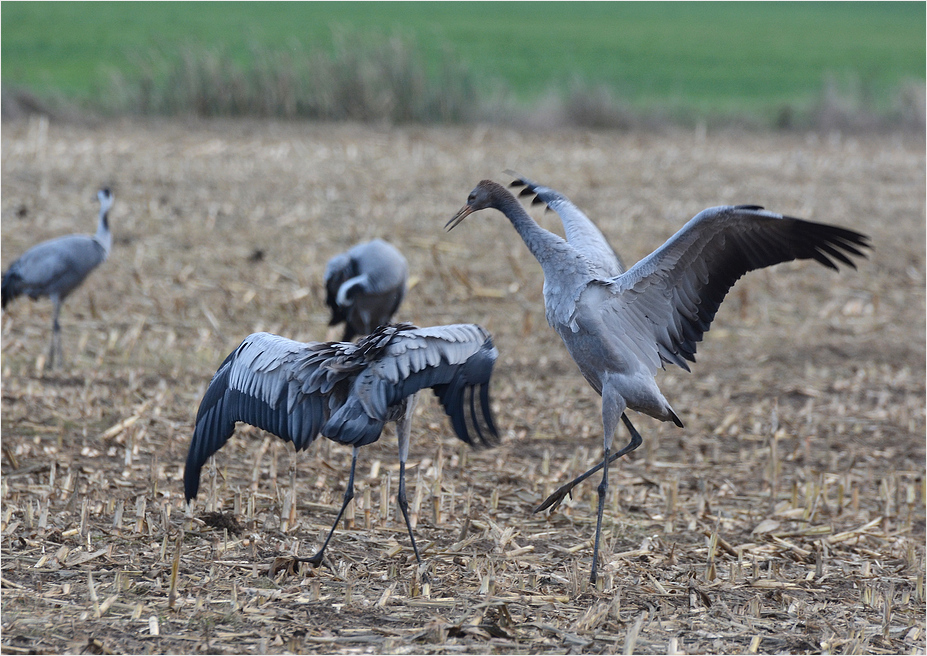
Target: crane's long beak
(464,212)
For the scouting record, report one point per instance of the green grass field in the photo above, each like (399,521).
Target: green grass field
(701,56)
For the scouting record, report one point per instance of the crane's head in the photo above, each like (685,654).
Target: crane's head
(105,196)
(485,194)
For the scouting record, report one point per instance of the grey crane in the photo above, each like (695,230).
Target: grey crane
(57,267)
(364,286)
(621,329)
(347,392)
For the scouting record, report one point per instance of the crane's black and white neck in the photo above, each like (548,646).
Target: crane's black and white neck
(103,235)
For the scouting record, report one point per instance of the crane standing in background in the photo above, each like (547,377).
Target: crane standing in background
(620,329)
(364,287)
(57,267)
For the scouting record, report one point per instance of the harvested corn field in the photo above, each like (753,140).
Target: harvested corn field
(787,516)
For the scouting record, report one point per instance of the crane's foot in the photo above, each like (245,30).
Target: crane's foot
(291,564)
(557,497)
(423,578)
(315,561)
(288,564)
(423,574)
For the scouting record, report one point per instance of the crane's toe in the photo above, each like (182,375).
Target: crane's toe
(556,498)
(315,561)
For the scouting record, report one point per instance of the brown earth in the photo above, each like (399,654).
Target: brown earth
(787,516)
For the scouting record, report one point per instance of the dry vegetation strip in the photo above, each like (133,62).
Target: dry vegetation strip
(788,516)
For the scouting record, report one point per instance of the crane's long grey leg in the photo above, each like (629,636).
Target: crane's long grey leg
(316,560)
(557,497)
(613,405)
(403,432)
(56,334)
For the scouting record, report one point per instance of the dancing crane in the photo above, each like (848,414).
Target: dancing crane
(364,286)
(620,329)
(347,392)
(57,267)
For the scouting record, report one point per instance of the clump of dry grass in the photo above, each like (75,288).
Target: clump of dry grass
(847,107)
(364,79)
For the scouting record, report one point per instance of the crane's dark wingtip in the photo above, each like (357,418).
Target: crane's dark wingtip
(191,484)
(519,181)
(828,245)
(838,247)
(487,413)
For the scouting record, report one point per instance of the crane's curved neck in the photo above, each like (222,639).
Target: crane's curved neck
(546,247)
(566,271)
(104,237)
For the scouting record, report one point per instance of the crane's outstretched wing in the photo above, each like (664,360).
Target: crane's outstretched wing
(455,361)
(270,382)
(665,303)
(580,231)
(344,391)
